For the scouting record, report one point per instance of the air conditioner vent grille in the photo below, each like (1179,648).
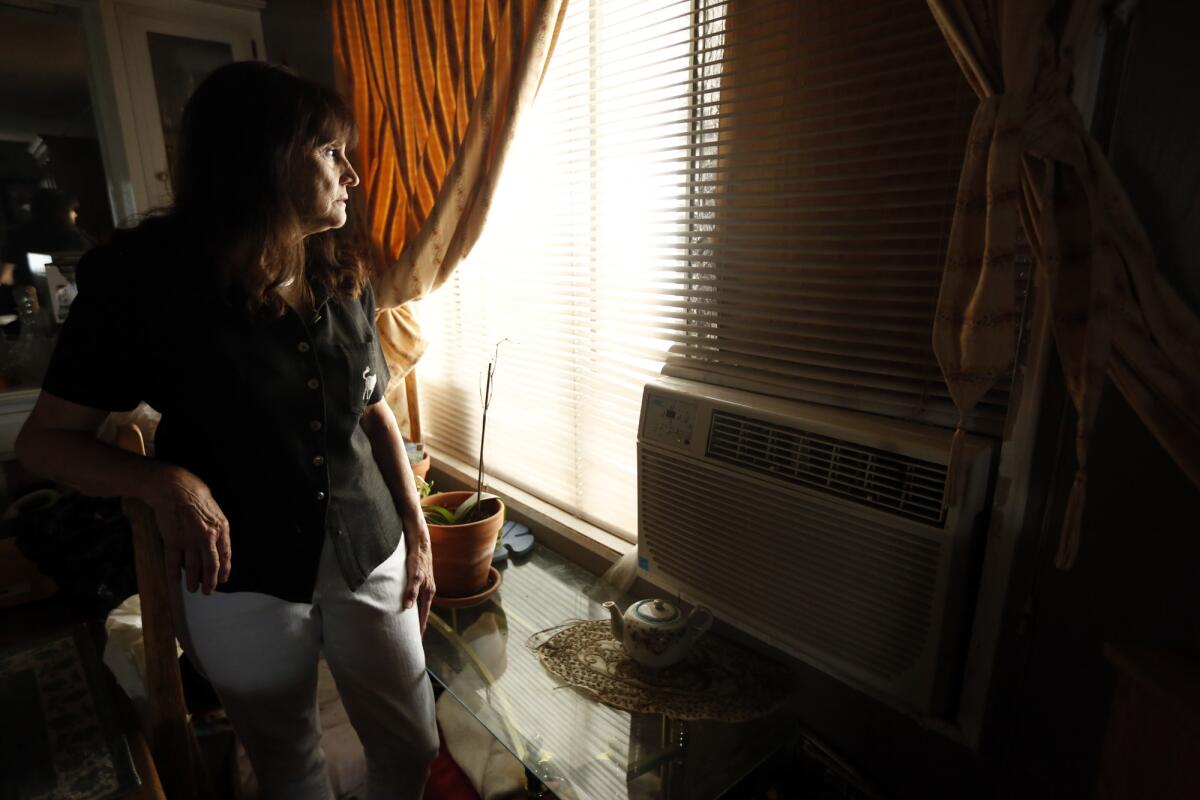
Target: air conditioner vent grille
(821,580)
(897,484)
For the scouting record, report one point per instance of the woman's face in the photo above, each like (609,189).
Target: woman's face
(325,180)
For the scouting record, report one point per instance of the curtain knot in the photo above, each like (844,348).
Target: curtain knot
(1052,124)
(1040,119)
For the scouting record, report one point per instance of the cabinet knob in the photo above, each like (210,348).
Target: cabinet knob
(161,175)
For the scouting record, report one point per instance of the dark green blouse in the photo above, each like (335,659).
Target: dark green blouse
(265,411)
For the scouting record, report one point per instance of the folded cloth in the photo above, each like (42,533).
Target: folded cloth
(494,772)
(125,650)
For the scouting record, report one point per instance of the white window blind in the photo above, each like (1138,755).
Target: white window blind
(762,188)
(827,166)
(572,267)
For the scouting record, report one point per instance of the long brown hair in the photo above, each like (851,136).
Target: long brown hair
(245,130)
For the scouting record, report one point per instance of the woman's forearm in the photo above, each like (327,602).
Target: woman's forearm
(387,446)
(58,441)
(79,460)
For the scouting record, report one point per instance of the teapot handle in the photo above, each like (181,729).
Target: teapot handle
(699,622)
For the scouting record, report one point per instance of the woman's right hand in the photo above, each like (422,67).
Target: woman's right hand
(194,530)
(58,441)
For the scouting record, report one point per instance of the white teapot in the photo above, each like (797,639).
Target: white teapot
(655,633)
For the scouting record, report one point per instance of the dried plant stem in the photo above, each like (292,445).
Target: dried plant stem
(476,512)
(487,393)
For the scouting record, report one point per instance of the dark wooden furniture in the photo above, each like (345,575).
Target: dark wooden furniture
(177,756)
(1152,747)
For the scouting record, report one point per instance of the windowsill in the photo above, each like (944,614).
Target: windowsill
(593,548)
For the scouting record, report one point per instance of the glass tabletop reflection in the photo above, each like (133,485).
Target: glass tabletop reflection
(576,746)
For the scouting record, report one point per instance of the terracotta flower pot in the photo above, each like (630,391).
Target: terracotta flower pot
(421,468)
(462,554)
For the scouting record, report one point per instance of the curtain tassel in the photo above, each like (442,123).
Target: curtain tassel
(1068,541)
(950,494)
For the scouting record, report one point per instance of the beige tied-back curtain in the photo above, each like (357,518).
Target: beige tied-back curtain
(1030,162)
(437,90)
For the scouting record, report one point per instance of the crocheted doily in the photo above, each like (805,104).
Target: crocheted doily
(719,680)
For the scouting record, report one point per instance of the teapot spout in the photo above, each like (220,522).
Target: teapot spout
(618,621)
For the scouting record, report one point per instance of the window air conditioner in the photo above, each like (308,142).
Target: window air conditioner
(819,531)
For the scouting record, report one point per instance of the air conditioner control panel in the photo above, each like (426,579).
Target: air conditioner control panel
(669,420)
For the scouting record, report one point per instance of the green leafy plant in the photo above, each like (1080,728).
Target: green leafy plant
(471,509)
(464,513)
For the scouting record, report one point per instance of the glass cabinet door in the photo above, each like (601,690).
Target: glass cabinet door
(178,65)
(166,57)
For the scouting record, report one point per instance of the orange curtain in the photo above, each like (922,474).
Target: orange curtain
(1030,162)
(437,89)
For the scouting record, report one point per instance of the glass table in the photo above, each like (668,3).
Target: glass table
(576,746)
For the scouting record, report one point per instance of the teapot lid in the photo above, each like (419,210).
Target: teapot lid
(658,611)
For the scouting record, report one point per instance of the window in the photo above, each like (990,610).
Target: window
(750,193)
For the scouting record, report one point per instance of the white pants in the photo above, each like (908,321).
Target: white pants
(260,654)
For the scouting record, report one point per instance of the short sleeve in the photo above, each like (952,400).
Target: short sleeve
(381,367)
(100,360)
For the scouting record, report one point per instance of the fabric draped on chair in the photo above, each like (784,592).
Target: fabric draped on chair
(437,89)
(1031,162)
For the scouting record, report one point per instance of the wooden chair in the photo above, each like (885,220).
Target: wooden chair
(414,407)
(172,741)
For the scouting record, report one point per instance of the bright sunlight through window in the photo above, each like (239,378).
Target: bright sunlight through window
(586,236)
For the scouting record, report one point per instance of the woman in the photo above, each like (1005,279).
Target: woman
(243,314)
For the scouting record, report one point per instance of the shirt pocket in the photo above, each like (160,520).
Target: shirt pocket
(362,374)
